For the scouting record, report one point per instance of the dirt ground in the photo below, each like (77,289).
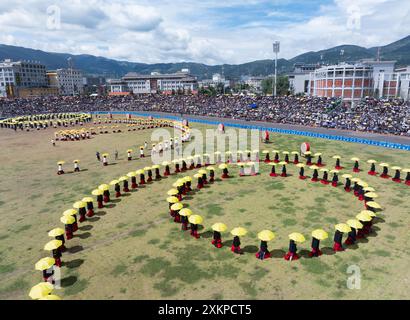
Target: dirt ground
(132,250)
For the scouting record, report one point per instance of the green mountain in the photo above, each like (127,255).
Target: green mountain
(92,65)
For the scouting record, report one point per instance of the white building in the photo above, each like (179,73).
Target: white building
(68,81)
(153,83)
(21,74)
(299,78)
(255,83)
(216,80)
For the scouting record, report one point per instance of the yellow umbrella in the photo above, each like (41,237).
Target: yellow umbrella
(334,171)
(185,212)
(202,171)
(396,168)
(285,152)
(87,199)
(104,187)
(210,168)
(97,192)
(266,235)
(129,150)
(314,167)
(79,204)
(239,231)
(69,212)
(368,212)
(347,176)
(122,178)
(131,174)
(172,200)
(56,232)
(155,166)
(362,183)
(343,227)
(355,180)
(371,195)
(50,297)
(406,170)
(67,219)
(114,182)
(317,154)
(105,154)
(271,164)
(53,244)
(265,151)
(44,263)
(76,161)
(140,171)
(383,164)
(172,192)
(371,161)
(195,219)
(334,157)
(223,166)
(308,153)
(177,206)
(324,170)
(320,234)
(355,159)
(300,165)
(294,152)
(178,184)
(373,205)
(219,226)
(297,237)
(40,290)
(364,217)
(187,179)
(282,163)
(369,189)
(61,162)
(166,163)
(197,175)
(354,223)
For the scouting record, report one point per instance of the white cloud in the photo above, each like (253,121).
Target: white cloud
(203,31)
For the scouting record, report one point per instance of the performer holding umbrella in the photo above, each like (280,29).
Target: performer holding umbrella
(340,229)
(46,266)
(166,164)
(267,157)
(204,177)
(148,170)
(184,213)
(117,188)
(68,226)
(157,173)
(385,174)
(188,183)
(295,157)
(348,182)
(356,164)
(72,213)
(211,174)
(129,155)
(76,166)
(325,176)
(218,228)
(175,208)
(60,167)
(276,156)
(228,155)
(198,160)
(315,173)
(191,164)
(264,236)
(90,205)
(176,163)
(396,177)
(319,159)
(301,167)
(224,168)
(99,194)
(236,243)
(200,183)
(308,156)
(337,165)
(335,178)
(104,159)
(133,175)
(124,180)
(355,225)
(58,234)
(294,238)
(407,180)
(184,165)
(172,200)
(286,153)
(195,220)
(54,247)
(141,173)
(372,170)
(80,205)
(105,188)
(273,171)
(317,236)
(283,164)
(364,218)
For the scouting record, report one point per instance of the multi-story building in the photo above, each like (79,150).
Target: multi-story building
(68,81)
(352,82)
(255,83)
(345,81)
(21,74)
(155,82)
(299,78)
(216,81)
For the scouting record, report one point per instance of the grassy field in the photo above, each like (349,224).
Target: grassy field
(131,250)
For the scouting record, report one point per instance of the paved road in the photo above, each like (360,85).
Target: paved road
(337,132)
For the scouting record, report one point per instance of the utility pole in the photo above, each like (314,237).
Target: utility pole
(70,64)
(276,48)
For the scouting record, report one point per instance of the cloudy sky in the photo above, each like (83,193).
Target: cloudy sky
(207,31)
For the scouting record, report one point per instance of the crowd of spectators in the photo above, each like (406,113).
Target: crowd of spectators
(370,115)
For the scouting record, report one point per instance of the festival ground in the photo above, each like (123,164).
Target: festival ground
(132,250)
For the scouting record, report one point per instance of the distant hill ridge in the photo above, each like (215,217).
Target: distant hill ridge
(92,65)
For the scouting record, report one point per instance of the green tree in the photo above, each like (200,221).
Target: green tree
(282,87)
